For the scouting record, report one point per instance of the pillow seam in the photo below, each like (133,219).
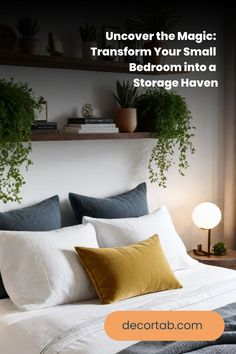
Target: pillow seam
(32,243)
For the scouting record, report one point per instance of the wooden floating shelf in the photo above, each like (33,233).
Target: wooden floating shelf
(61,62)
(90,136)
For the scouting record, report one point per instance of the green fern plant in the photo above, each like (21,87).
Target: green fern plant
(167,114)
(126,94)
(88,33)
(27,26)
(18,106)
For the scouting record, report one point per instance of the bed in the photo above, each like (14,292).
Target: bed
(78,327)
(53,306)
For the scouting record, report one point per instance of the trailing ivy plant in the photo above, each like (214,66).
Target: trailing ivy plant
(18,106)
(167,114)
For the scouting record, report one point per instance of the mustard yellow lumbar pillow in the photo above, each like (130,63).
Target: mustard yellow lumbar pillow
(123,272)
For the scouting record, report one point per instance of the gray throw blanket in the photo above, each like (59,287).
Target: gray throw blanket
(226,344)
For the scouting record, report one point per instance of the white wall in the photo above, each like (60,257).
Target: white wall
(104,168)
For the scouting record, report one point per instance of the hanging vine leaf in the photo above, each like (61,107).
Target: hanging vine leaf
(17,114)
(166,113)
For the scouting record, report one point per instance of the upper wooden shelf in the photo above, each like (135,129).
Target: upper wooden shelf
(44,61)
(94,136)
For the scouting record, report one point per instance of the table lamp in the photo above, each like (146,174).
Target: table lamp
(206,216)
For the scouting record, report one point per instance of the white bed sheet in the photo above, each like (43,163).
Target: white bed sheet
(79,326)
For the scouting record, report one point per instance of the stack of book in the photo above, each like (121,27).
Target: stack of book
(44,127)
(90,125)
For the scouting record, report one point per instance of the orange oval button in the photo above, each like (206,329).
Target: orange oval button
(164,325)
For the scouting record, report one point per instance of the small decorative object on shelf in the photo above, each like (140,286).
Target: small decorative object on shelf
(54,46)
(219,249)
(28,28)
(43,111)
(88,110)
(126,115)
(8,39)
(88,34)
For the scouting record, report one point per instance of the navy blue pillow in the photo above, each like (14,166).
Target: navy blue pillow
(43,216)
(130,204)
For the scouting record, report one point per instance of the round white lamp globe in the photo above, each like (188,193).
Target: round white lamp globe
(206,215)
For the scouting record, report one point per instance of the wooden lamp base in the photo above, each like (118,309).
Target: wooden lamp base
(200,252)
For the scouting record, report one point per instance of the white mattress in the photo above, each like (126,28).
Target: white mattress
(79,326)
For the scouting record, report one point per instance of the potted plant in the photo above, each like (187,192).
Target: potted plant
(219,249)
(28,28)
(88,34)
(167,114)
(18,107)
(152,20)
(126,116)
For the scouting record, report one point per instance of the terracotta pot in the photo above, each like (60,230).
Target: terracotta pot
(126,119)
(87,53)
(154,59)
(29,45)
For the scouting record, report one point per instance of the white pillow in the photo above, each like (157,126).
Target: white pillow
(42,269)
(121,232)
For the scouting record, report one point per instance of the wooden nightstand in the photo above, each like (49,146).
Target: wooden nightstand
(226,261)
